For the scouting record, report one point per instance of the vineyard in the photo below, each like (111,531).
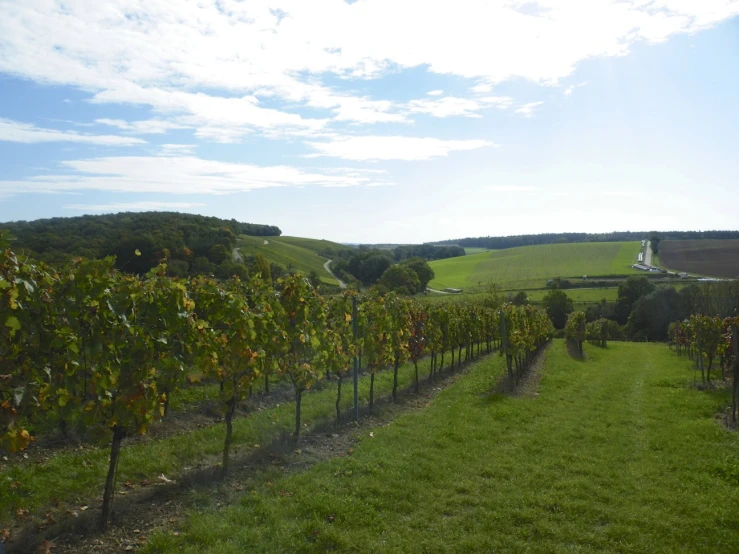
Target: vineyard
(709,338)
(119,361)
(89,346)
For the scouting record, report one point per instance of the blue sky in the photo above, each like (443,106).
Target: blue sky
(376,120)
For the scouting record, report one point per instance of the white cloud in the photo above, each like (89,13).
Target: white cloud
(393,148)
(179,175)
(133,206)
(232,68)
(481,88)
(17,131)
(145,127)
(622,193)
(511,188)
(527,110)
(176,149)
(452,106)
(438,92)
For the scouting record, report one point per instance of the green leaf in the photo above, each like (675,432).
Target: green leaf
(13,324)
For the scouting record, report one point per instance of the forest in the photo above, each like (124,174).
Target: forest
(193,244)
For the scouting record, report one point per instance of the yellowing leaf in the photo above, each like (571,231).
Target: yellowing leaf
(13,324)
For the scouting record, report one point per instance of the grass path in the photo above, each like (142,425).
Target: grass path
(616,454)
(75,477)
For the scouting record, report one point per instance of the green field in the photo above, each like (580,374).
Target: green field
(617,453)
(532,266)
(474,250)
(292,252)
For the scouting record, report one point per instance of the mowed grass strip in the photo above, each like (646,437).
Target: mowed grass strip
(617,453)
(532,266)
(77,477)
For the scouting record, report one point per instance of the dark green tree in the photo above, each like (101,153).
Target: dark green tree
(262,267)
(558,306)
(422,269)
(653,313)
(400,279)
(219,254)
(629,292)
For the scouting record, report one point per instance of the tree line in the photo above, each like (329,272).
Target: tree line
(644,311)
(374,267)
(90,343)
(194,244)
(499,243)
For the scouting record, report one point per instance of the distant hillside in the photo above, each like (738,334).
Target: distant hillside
(498,243)
(192,243)
(532,266)
(297,253)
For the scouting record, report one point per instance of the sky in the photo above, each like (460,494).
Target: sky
(375,121)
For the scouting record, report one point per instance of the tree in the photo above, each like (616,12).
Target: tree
(262,267)
(314,278)
(558,306)
(229,269)
(629,291)
(521,298)
(202,266)
(400,279)
(654,240)
(653,313)
(219,254)
(422,269)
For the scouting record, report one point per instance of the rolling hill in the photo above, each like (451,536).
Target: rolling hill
(531,266)
(293,252)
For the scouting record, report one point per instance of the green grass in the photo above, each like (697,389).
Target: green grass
(616,454)
(474,250)
(532,266)
(74,477)
(292,252)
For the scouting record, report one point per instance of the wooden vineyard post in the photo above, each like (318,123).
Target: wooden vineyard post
(356,361)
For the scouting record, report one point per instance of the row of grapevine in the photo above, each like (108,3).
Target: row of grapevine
(576,330)
(91,344)
(709,338)
(524,329)
(598,331)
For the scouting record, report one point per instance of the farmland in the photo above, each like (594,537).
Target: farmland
(292,252)
(484,472)
(717,258)
(531,266)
